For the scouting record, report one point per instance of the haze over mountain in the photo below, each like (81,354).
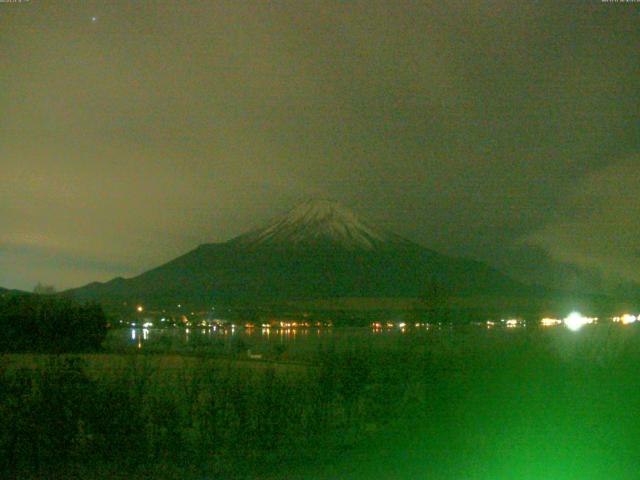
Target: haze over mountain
(319,249)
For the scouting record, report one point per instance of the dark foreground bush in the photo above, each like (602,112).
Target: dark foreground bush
(37,323)
(450,401)
(214,422)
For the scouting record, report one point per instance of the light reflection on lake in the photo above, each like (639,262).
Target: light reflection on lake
(238,339)
(306,343)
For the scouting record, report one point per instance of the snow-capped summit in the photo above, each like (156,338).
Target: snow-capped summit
(318,221)
(319,250)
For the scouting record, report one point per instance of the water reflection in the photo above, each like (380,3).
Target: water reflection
(238,338)
(218,335)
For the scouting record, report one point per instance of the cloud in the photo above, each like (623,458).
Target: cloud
(598,223)
(165,125)
(22,263)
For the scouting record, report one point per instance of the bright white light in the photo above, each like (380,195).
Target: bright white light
(627,319)
(147,324)
(402,324)
(576,321)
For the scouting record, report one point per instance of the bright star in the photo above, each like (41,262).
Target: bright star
(94,19)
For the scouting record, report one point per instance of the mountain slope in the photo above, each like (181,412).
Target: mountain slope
(5,292)
(318,250)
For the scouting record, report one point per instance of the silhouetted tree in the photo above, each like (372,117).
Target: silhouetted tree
(50,324)
(42,289)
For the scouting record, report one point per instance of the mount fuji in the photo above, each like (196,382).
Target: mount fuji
(320,223)
(318,250)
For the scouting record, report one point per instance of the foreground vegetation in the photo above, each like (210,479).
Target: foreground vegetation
(470,404)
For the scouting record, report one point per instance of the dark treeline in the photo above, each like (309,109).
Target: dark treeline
(42,323)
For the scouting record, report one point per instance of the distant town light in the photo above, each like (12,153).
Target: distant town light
(140,308)
(550,322)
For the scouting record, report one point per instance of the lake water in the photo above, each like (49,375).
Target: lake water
(303,344)
(265,342)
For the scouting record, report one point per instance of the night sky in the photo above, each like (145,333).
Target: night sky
(133,131)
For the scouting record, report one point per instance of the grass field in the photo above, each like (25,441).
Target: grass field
(467,403)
